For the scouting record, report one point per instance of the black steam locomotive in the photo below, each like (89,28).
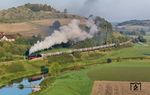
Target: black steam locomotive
(32,56)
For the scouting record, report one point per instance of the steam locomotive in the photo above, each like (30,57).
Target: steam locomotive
(33,56)
(37,55)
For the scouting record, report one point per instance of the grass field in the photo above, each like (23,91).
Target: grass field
(122,71)
(81,82)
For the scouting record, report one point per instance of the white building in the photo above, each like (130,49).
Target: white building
(4,37)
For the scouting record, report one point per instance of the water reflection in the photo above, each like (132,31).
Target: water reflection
(27,87)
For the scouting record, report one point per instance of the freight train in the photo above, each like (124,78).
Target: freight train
(86,49)
(33,56)
(79,50)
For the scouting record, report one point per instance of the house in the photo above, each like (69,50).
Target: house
(4,37)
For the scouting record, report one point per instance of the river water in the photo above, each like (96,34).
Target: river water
(12,89)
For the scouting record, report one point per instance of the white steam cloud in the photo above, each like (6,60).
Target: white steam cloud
(66,33)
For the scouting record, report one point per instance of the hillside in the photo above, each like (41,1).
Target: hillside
(135,22)
(134,27)
(34,19)
(29,12)
(30,28)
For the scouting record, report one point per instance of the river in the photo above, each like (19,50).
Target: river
(12,89)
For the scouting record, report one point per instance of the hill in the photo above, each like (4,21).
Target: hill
(134,27)
(135,22)
(34,19)
(29,12)
(30,28)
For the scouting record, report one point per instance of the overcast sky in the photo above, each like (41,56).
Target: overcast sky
(112,10)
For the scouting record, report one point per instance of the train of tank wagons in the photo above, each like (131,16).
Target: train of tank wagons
(33,56)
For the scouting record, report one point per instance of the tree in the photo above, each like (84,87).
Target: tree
(65,11)
(142,32)
(141,39)
(109,60)
(44,70)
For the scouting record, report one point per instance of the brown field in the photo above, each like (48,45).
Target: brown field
(119,88)
(28,29)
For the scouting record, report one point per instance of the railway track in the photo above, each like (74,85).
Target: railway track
(85,49)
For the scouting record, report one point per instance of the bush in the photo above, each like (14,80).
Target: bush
(44,70)
(76,67)
(109,60)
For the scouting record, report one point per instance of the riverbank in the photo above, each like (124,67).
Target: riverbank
(15,70)
(21,87)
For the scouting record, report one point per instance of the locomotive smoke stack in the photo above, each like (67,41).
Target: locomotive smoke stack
(71,32)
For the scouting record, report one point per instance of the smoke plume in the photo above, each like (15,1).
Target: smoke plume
(88,7)
(71,32)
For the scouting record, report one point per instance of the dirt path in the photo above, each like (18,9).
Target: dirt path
(120,88)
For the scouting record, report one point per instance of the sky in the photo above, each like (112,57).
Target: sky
(112,10)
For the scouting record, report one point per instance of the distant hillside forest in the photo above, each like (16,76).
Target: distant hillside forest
(32,12)
(134,27)
(135,22)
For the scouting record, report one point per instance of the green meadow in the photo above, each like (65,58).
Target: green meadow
(80,82)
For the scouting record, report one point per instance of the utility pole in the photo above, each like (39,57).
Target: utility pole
(106,30)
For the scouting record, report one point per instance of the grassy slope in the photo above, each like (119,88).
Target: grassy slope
(80,82)
(74,83)
(18,69)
